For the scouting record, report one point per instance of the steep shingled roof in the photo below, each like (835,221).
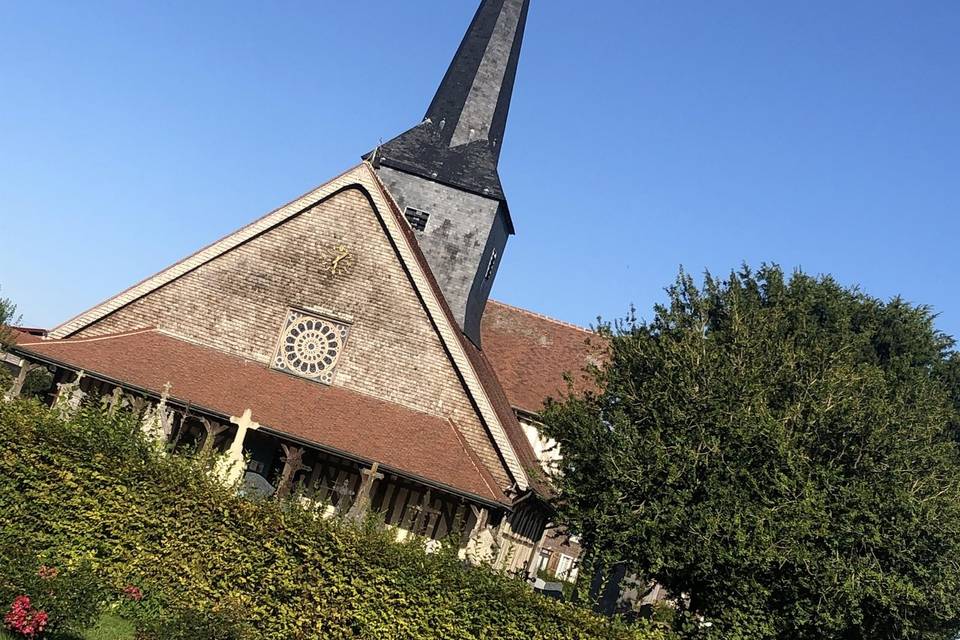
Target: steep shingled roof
(501,425)
(531,354)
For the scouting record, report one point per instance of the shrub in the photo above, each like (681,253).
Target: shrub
(159,619)
(25,619)
(92,489)
(68,596)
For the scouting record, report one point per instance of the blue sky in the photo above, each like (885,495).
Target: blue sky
(643,136)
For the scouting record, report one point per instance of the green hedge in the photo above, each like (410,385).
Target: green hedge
(91,490)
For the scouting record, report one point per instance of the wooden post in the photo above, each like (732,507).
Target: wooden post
(478,517)
(69,396)
(157,422)
(343,490)
(292,462)
(17,387)
(533,568)
(115,402)
(362,502)
(423,512)
(211,431)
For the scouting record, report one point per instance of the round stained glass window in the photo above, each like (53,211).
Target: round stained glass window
(310,347)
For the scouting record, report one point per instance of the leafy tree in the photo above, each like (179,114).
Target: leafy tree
(8,315)
(777,452)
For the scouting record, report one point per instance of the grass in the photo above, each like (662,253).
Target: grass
(109,628)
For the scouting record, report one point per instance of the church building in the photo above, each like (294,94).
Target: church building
(342,347)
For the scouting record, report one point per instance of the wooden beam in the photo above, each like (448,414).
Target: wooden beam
(292,463)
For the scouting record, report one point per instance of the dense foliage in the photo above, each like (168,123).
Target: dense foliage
(7,316)
(70,598)
(779,452)
(8,313)
(91,492)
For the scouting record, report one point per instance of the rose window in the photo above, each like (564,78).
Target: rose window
(310,346)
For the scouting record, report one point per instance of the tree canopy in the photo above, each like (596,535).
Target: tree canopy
(8,313)
(781,452)
(7,316)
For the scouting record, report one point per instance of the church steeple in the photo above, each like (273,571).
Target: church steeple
(458,142)
(474,97)
(445,169)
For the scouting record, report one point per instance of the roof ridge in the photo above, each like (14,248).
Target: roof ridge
(203,255)
(109,336)
(541,316)
(495,428)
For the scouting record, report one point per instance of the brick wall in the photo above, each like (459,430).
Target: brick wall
(238,301)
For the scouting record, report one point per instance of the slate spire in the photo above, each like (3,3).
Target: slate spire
(458,143)
(443,172)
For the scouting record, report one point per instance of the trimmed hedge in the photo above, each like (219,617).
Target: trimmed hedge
(92,490)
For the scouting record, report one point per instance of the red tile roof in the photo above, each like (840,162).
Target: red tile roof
(501,404)
(33,331)
(400,439)
(531,353)
(23,337)
(502,388)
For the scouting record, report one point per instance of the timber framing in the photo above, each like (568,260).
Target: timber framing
(187,408)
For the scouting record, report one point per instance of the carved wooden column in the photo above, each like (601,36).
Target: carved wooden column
(343,490)
(533,567)
(115,401)
(17,387)
(157,421)
(417,523)
(69,396)
(292,463)
(478,518)
(481,543)
(362,502)
(211,430)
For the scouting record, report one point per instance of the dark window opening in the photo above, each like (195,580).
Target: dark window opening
(491,265)
(416,218)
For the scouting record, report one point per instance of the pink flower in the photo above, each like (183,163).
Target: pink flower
(24,619)
(133,593)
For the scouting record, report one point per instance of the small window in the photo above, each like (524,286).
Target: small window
(491,265)
(544,560)
(416,218)
(564,567)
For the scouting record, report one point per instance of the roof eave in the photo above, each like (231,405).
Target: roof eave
(213,413)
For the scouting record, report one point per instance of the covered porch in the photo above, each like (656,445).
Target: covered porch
(409,470)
